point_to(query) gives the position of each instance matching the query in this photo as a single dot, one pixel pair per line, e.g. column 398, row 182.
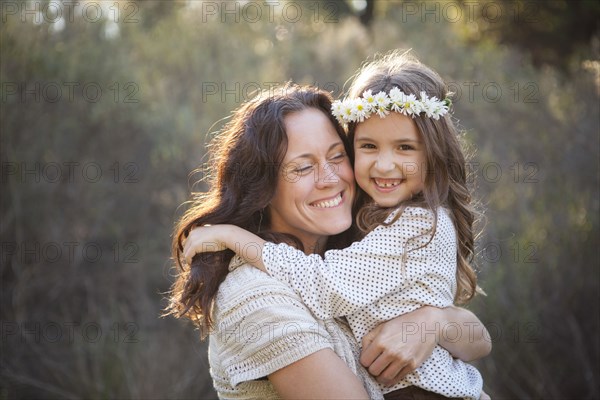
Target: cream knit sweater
column 261, row 326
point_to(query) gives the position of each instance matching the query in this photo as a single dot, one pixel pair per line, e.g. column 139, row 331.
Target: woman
column 282, row 171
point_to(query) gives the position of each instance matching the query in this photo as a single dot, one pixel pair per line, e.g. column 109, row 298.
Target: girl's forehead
column 391, row 127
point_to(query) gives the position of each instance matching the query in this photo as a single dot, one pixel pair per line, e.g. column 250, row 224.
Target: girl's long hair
column 245, row 160
column 446, row 180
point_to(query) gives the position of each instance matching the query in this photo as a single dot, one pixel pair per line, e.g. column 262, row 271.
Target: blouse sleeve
column 345, row 281
column 262, row 326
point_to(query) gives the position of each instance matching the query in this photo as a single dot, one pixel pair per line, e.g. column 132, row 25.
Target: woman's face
column 315, row 187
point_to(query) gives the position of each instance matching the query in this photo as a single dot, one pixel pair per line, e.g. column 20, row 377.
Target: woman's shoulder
column 245, row 281
column 247, row 290
column 241, row 276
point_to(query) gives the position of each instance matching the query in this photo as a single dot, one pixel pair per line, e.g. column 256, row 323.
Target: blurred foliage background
column 105, row 111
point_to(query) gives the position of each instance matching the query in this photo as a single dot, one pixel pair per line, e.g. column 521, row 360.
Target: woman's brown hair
column 245, row 160
column 446, row 180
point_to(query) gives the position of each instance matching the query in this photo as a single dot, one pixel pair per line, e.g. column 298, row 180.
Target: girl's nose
column 384, row 163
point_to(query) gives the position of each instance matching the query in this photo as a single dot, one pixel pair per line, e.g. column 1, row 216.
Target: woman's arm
column 397, row 347
column 321, row 375
column 473, row 340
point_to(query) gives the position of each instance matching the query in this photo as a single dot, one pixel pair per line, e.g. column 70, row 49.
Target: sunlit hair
column 245, row 158
column 446, row 177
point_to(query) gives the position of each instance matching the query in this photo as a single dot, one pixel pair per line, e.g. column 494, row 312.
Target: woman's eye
column 405, row 147
column 367, row 146
column 338, row 157
column 302, row 169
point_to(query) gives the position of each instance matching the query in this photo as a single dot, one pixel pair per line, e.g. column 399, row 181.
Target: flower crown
column 357, row 110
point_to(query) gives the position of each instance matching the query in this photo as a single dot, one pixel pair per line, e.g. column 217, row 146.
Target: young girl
column 415, row 208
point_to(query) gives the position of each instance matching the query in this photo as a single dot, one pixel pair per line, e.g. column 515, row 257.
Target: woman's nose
column 327, row 175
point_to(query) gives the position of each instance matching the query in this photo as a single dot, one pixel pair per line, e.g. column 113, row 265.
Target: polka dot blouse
column 394, row 270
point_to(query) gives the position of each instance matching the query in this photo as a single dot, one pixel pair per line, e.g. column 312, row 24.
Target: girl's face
column 315, row 188
column 390, row 162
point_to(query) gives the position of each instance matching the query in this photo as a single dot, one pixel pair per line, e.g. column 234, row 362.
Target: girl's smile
column 386, row 185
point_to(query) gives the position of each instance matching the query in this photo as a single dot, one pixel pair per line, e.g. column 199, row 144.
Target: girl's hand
column 397, row 347
column 484, row 396
column 209, row 238
column 204, row 239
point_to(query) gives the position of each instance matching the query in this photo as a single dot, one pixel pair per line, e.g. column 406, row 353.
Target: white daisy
column 440, row 110
column 410, row 106
column 337, row 110
column 429, row 104
column 359, row 108
column 382, row 100
column 396, row 99
column 369, row 100
column 348, row 111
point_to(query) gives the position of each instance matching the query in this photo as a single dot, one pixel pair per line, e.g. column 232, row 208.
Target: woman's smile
column 331, row 202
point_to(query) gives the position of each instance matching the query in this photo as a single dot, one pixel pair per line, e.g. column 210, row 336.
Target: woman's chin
column 336, row 226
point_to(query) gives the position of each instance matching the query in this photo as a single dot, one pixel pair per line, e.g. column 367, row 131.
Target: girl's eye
column 367, row 146
column 405, row 147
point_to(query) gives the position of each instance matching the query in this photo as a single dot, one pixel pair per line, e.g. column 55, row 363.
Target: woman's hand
column 397, row 347
column 204, row 239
